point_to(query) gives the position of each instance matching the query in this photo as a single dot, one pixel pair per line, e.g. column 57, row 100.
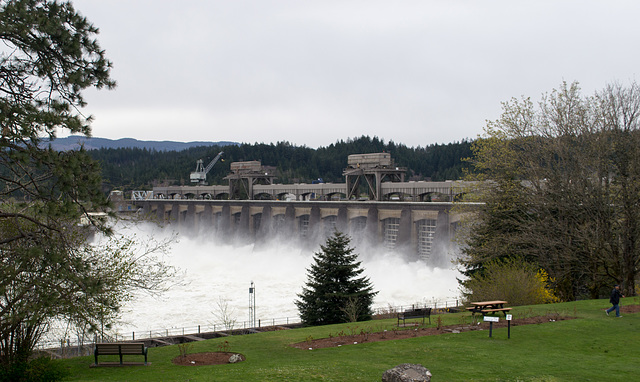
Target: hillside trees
column 48, row 270
column 565, row 178
column 335, row 291
column 135, row 168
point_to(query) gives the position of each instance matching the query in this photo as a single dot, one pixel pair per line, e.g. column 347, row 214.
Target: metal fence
column 197, row 329
column 77, row 343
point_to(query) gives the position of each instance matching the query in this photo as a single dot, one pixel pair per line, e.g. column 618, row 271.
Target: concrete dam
column 375, row 206
column 415, row 228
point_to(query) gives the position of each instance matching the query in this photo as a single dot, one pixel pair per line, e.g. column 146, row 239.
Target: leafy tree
column 334, row 285
column 564, row 180
column 48, row 270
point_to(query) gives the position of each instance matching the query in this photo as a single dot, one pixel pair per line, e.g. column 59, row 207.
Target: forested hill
column 138, row 168
column 72, row 142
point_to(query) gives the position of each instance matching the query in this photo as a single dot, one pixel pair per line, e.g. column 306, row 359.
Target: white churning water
column 216, row 271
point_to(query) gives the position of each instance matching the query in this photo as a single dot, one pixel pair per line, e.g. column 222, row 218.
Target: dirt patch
column 201, row 359
column 629, row 308
column 409, row 331
column 340, row 339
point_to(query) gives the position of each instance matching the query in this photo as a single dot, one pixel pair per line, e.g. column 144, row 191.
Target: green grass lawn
column 592, row 348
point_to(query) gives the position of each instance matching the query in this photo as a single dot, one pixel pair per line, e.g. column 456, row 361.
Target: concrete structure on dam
column 367, row 177
column 396, row 191
column 415, row 228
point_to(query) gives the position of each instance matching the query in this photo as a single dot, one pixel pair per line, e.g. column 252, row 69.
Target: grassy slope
column 594, row 347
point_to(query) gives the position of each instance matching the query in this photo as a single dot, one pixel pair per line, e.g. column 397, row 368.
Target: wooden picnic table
column 487, row 307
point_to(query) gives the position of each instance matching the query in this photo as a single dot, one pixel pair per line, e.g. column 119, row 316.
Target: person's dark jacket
column 615, row 296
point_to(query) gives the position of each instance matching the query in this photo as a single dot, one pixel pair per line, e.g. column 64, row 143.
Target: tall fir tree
column 335, row 290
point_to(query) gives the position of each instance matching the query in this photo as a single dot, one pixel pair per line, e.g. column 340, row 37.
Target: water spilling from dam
column 213, row 272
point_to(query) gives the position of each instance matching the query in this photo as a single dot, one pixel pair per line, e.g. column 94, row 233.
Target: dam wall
column 414, row 228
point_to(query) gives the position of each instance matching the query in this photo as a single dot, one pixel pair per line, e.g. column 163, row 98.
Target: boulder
column 407, row 372
column 235, row 358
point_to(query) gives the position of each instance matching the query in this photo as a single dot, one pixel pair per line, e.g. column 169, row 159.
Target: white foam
column 214, row 271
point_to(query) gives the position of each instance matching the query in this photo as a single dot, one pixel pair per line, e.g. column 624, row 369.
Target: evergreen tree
column 334, row 284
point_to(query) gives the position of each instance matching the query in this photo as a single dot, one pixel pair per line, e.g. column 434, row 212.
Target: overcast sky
column 314, row 72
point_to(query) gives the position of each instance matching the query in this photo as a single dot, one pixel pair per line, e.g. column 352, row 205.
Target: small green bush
column 513, row 280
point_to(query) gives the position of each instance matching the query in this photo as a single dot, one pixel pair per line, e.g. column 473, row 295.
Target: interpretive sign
column 491, row 320
column 509, row 317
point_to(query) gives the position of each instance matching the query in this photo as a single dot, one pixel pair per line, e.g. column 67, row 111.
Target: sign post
column 509, row 317
column 491, row 320
column 252, row 305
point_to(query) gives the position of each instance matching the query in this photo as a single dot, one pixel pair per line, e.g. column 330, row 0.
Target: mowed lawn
column 593, row 347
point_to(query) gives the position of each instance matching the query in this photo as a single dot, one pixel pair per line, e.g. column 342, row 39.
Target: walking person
column 614, row 299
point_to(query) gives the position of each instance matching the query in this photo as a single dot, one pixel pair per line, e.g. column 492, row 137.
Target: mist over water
column 214, row 271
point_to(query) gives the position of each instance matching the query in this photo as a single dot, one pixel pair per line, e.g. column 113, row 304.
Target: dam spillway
column 413, row 228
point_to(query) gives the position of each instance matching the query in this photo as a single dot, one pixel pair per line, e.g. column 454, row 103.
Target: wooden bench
column 415, row 313
column 121, row 349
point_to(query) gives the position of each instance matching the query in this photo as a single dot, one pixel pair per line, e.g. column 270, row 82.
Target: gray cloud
column 313, row 72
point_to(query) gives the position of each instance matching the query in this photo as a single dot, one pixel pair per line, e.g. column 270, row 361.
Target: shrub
column 41, row 369
column 512, row 280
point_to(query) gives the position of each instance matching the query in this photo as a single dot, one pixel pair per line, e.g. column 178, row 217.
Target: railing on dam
column 407, row 191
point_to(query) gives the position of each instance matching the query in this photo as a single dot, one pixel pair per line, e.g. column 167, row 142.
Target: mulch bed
column 412, row 332
column 209, row 358
column 627, row 309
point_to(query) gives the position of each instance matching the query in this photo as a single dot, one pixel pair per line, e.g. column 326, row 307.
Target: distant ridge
column 73, row 142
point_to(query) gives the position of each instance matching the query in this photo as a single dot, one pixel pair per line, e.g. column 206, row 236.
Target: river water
column 213, row 273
